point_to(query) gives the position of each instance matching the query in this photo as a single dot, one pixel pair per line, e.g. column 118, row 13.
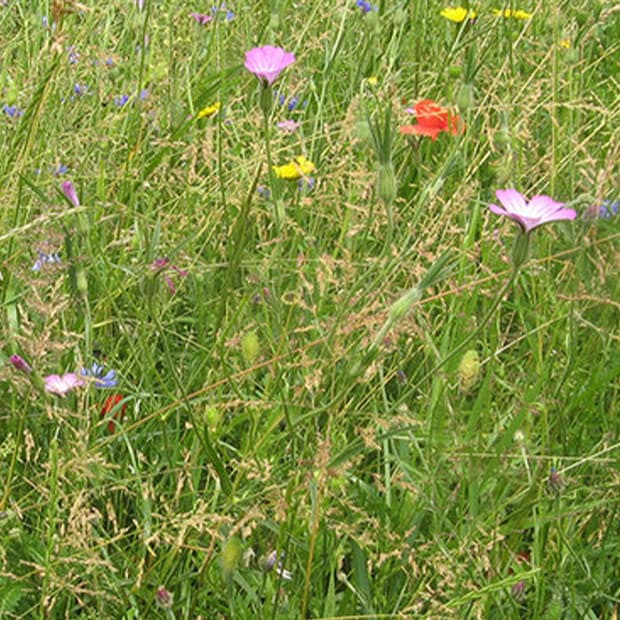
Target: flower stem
column 265, row 104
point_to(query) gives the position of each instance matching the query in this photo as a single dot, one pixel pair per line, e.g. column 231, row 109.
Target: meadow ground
column 266, row 354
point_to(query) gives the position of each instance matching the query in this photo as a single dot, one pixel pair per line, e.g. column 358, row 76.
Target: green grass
column 278, row 401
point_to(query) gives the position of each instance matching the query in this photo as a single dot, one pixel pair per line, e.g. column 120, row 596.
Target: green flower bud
column 81, row 281
column 466, row 97
column 231, row 554
column 387, row 185
column 502, row 138
column 250, row 347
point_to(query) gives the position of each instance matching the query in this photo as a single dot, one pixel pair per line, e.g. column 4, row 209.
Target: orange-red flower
column 110, row 403
column 432, row 119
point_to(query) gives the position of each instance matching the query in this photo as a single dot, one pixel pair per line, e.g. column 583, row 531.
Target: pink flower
column 68, row 190
column 19, row 363
column 201, row 18
column 163, row 265
column 267, row 62
column 62, row 384
column 288, row 125
column 530, row 215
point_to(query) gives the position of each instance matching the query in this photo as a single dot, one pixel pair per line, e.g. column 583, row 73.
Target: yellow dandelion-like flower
column 210, row 110
column 458, row 14
column 372, row 80
column 514, row 13
column 565, row 43
column 298, row 168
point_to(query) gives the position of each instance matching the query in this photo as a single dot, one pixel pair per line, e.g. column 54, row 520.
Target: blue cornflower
column 60, row 169
column 306, row 184
column 102, row 379
column 13, row 111
column 263, row 191
column 609, row 209
column 121, row 100
column 80, row 89
column 74, row 57
column 45, row 258
column 366, row 6
column 292, row 103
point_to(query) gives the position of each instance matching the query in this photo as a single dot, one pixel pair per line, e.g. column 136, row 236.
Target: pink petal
column 513, row 201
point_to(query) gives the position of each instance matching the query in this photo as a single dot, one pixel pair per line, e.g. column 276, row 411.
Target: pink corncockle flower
column 68, row 189
column 62, row 384
column 161, row 265
column 289, row 125
column 267, row 62
column 529, row 215
column 201, row 18
column 19, row 363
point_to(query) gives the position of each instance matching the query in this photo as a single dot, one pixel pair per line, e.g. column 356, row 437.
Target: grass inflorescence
column 265, row 350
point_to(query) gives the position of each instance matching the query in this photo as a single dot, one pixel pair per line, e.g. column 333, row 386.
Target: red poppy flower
column 110, row 403
column 432, row 119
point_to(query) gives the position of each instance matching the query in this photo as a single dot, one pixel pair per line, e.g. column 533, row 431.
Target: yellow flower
column 565, row 43
column 210, row 110
column 372, row 80
column 298, row 168
column 516, row 13
column 458, row 14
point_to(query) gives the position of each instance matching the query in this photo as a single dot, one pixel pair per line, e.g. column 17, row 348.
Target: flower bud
column 466, row 97
column 19, row 363
column 387, row 186
column 231, row 554
column 68, row 189
column 250, row 347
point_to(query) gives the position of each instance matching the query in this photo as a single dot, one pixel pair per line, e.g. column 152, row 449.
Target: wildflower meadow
column 309, row 310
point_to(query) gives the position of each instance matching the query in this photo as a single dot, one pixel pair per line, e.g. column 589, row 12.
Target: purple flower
column 163, row 598
column 267, row 62
column 272, row 561
column 143, row 95
column 529, row 215
column 62, row 384
column 60, row 169
column 46, row 258
column 19, row 363
column 161, row 265
column 306, row 184
column 608, row 209
column 289, row 125
column 121, row 100
column 140, row 4
column 555, row 481
column 80, row 89
column 74, row 57
column 263, row 191
column 102, row 379
column 13, row 111
column 201, row 18
column 68, row 189
column 366, row 6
